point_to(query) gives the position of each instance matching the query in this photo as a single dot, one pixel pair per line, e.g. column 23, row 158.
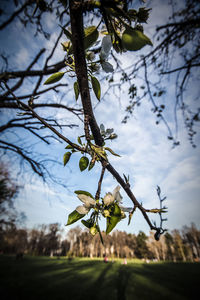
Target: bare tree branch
column 15, row 14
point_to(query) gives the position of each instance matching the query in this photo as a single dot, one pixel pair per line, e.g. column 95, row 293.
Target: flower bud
column 123, row 216
column 91, row 56
column 113, row 136
column 108, row 199
column 106, row 213
column 93, row 230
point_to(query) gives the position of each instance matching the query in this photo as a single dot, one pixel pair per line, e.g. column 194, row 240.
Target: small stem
column 97, row 196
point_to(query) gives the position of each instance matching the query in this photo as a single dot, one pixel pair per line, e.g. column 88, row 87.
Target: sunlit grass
column 83, row 278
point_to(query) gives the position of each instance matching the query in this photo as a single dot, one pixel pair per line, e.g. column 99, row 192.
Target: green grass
column 80, row 279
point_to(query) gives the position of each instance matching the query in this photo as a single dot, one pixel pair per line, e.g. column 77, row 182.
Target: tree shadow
column 39, row 278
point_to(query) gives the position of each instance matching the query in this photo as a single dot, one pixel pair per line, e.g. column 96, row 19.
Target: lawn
column 80, row 279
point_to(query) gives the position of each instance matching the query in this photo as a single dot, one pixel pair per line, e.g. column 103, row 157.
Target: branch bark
column 76, row 16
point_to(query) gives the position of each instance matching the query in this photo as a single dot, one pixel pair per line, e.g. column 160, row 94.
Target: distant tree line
column 177, row 245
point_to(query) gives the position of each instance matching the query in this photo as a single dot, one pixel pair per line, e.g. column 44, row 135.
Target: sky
column 146, row 153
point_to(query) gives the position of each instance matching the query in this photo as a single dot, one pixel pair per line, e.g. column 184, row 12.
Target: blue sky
column 146, row 153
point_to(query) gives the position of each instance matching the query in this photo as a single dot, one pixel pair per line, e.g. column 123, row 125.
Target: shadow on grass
column 45, row 278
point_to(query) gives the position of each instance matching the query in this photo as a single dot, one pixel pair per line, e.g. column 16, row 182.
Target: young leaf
column 83, row 163
column 126, row 179
column 67, row 33
column 113, row 219
column 117, row 210
column 111, row 151
column 107, row 67
column 91, row 165
column 101, row 238
column 96, row 87
column 109, row 130
column 54, row 78
column 69, row 147
column 76, row 90
column 66, row 157
column 73, row 217
column 106, row 46
column 88, row 223
column 79, row 140
column 91, row 35
column 134, row 40
column 79, row 192
column 111, row 223
column 102, row 128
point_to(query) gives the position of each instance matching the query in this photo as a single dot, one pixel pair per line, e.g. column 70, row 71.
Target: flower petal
column 82, row 210
column 87, row 200
column 116, row 190
column 108, row 199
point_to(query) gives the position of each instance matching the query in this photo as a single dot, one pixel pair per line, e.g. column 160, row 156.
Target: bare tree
column 176, row 56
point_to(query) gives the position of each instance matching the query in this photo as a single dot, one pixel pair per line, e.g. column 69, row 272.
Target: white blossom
column 82, row 209
column 116, row 194
column 108, row 199
column 87, row 200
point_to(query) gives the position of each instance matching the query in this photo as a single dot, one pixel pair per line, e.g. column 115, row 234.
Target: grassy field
column 84, row 279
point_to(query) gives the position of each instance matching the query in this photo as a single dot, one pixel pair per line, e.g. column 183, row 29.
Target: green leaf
column 79, row 140
column 101, row 238
column 134, row 40
column 67, row 33
column 66, row 157
column 79, row 192
column 54, row 78
column 96, row 87
column 73, row 217
column 91, row 35
column 91, row 165
column 88, row 223
column 114, row 218
column 69, row 147
column 76, row 90
column 83, row 163
column 111, row 223
column 116, row 211
column 111, row 151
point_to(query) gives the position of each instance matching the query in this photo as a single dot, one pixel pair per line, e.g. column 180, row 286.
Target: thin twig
column 27, row 107
column 98, row 192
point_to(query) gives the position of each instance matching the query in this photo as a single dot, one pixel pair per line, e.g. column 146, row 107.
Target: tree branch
column 27, row 107
column 76, row 17
column 31, row 73
column 34, row 164
column 15, row 14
